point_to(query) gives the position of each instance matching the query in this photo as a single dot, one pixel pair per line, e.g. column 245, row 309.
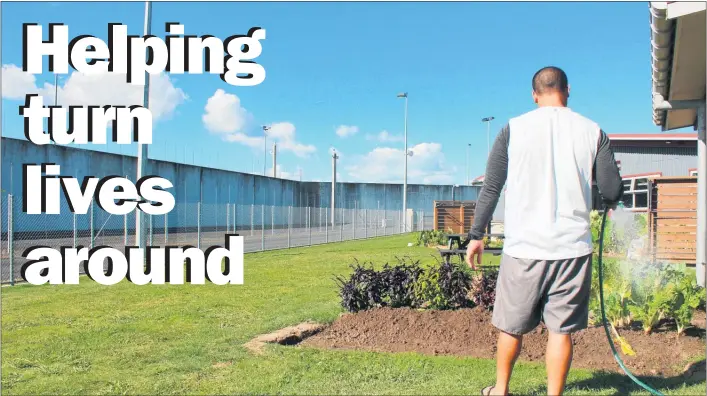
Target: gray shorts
column 554, row 291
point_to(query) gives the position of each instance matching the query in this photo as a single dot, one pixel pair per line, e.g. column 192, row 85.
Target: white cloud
column 385, row 137
column 224, row 115
column 284, row 134
column 282, row 173
column 16, row 83
column 96, row 89
column 345, row 131
column 384, row 164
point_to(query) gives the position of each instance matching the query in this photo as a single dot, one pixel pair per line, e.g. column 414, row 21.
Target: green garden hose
column 603, row 314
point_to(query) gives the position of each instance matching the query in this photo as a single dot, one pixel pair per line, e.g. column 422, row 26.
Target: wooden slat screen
column 454, row 216
column 673, row 219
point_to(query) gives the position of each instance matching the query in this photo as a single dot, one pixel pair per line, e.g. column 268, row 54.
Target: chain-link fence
column 194, row 224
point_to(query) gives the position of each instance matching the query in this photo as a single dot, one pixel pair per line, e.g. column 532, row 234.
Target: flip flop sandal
column 487, row 390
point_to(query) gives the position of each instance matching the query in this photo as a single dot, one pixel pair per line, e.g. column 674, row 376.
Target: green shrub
column 652, row 295
column 688, row 296
column 647, row 293
column 443, row 286
column 362, row 290
column 431, row 238
column 399, row 283
column 610, row 242
column 483, row 289
column 493, row 242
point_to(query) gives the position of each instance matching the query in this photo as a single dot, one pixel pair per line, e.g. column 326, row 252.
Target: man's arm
column 607, row 172
column 494, row 180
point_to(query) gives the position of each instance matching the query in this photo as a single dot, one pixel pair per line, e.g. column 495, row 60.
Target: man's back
column 551, row 154
column 547, row 159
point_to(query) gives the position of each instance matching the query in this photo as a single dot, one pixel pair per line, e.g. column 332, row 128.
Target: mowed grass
column 179, row 339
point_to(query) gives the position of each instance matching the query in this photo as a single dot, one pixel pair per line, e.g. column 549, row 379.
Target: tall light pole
column 467, row 163
column 274, row 160
column 142, row 158
column 56, row 95
column 405, row 177
column 488, row 120
column 334, row 157
column 265, row 148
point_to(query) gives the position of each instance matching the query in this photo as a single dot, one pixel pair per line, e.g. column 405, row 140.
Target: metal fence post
column 76, row 232
column 166, row 229
column 10, row 238
column 320, row 219
column 91, row 224
column 198, row 225
column 289, row 224
column 152, row 231
column 326, row 225
column 228, row 217
column 272, row 220
column 262, row 228
column 125, row 228
column 252, row 218
column 309, row 224
column 400, row 222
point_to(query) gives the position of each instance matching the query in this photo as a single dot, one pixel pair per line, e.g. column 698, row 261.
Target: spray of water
column 628, row 236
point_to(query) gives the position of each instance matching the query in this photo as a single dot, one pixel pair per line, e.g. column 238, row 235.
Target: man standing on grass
column 548, row 158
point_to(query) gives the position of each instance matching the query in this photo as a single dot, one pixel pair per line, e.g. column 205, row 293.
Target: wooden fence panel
column 673, row 219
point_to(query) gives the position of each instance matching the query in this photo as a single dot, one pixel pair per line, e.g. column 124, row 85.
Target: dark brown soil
column 468, row 332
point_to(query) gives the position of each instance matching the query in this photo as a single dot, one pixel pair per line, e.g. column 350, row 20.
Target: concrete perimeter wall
column 209, row 186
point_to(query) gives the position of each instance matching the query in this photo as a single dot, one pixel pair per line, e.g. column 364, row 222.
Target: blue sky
column 334, row 64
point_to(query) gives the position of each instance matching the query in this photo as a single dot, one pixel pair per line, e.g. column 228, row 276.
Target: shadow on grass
column 623, row 385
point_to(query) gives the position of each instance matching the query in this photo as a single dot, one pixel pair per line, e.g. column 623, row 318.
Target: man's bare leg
column 558, row 359
column 508, row 350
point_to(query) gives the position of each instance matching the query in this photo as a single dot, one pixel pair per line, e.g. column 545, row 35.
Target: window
column 636, row 191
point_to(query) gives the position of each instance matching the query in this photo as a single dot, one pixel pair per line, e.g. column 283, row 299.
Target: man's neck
column 552, row 101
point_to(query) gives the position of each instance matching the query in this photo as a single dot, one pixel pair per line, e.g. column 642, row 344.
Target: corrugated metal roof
column 652, row 136
column 662, row 36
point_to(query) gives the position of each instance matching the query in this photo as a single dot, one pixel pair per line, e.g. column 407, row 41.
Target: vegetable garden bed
column 468, row 332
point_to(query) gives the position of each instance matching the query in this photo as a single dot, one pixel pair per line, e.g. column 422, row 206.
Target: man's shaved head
column 550, row 79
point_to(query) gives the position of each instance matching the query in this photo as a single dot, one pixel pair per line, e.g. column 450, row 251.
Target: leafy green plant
column 641, row 224
column 689, row 296
column 612, row 275
column 493, row 242
column 653, row 296
column 610, row 242
column 443, row 286
column 653, row 309
column 432, row 238
column 483, row 289
column 616, row 304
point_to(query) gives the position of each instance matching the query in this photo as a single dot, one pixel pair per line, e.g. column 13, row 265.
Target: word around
column 162, row 265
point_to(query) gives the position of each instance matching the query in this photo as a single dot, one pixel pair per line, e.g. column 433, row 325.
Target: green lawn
column 94, row 339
